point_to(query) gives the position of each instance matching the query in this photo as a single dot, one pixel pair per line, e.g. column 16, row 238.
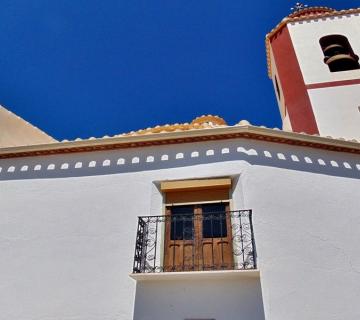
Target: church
column 200, row 220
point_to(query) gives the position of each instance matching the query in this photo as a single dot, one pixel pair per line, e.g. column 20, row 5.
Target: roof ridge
column 167, row 129
column 202, row 122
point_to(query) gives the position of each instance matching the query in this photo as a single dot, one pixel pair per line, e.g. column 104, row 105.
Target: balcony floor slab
column 196, row 275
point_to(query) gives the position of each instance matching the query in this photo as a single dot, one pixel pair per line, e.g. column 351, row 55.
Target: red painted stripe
column 292, row 83
column 333, row 84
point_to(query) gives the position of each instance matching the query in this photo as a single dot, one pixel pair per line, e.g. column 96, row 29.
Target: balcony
column 183, row 241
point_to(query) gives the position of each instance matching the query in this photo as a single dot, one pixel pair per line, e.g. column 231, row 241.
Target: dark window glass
column 277, row 88
column 214, row 220
column 182, row 223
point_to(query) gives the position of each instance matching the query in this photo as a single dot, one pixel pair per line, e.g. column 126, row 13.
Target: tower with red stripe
column 314, row 65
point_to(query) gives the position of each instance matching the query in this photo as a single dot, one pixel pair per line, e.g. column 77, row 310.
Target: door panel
column 198, row 237
column 216, row 236
column 179, row 238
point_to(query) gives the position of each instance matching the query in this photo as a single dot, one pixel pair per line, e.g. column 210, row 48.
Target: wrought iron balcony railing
column 195, row 242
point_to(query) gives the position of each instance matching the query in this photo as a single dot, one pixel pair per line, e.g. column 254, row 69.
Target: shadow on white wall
column 165, row 157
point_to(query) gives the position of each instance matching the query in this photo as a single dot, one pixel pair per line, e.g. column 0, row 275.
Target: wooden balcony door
column 198, row 237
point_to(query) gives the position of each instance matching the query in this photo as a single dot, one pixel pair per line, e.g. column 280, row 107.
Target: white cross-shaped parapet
column 299, row 6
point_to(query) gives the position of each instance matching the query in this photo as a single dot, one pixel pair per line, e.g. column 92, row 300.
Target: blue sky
column 91, row 68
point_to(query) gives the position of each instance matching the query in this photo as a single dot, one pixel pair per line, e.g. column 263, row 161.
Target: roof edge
column 247, row 132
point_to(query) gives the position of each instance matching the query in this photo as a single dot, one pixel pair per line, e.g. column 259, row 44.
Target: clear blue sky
column 81, row 68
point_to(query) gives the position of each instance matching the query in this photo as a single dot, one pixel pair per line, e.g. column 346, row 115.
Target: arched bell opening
column 338, row 53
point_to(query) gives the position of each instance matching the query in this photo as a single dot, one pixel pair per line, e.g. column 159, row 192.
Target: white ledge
column 196, row 275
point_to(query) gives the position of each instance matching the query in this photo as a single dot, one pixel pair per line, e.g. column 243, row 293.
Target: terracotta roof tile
column 202, row 122
column 207, row 122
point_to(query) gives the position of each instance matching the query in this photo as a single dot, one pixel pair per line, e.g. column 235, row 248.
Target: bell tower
column 313, row 61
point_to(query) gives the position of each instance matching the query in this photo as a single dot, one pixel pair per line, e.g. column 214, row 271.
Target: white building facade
column 198, row 221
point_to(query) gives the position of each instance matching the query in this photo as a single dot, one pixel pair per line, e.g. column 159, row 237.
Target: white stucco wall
column 68, row 227
column 336, row 110
column 307, row 239
column 220, row 299
column 305, row 36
